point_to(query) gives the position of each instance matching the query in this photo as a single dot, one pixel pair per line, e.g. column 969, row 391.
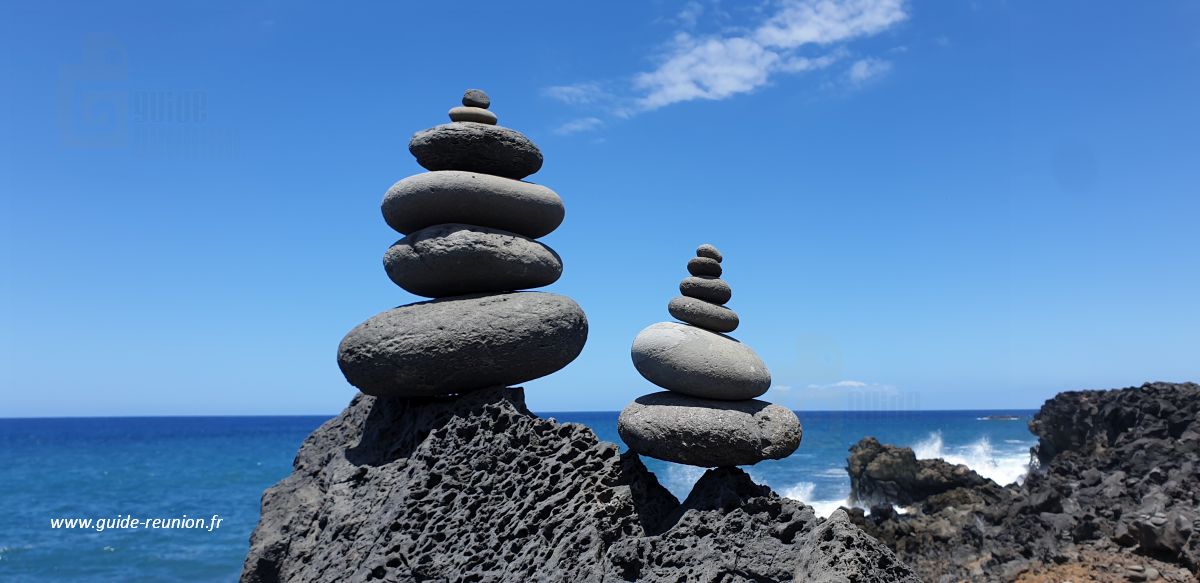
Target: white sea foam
column 1002, row 467
column 681, row 478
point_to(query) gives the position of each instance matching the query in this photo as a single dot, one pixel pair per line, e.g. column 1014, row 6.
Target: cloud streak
column 719, row 67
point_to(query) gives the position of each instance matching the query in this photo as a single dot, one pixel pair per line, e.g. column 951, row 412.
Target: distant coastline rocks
column 709, row 416
column 470, row 227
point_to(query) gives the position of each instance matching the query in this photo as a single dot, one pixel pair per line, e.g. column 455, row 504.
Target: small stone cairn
column 470, row 227
column 708, row 416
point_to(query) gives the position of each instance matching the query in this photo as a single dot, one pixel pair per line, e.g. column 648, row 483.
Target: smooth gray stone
column 451, row 196
column 703, row 314
column 708, row 250
column 459, row 344
column 476, row 147
column 700, row 266
column 707, row 433
column 696, row 362
column 456, row 259
column 708, row 288
column 476, row 114
column 476, row 98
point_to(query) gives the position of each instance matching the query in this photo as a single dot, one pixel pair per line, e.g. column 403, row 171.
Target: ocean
column 194, row 468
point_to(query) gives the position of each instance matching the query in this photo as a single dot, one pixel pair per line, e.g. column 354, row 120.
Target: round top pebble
column 476, row 98
column 707, row 250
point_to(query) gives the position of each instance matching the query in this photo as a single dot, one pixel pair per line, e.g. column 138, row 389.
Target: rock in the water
column 836, row 551
column 710, row 289
column 478, row 488
column 707, row 250
column 476, row 98
column 450, row 196
column 700, row 266
column 703, row 314
column 475, row 114
column 459, row 344
column 885, row 474
column 476, row 147
column 708, row 433
column 700, row 363
column 455, row 259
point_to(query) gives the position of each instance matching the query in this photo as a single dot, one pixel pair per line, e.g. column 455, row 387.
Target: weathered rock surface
column 463, row 343
column 708, row 433
column 708, row 250
column 456, row 259
column 1116, row 492
column 702, row 266
column 696, row 362
column 703, row 314
column 477, row 488
column 451, row 196
column 709, row 289
column 885, row 474
column 476, row 147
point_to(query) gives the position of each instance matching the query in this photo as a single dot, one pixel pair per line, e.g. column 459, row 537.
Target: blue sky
column 922, row 204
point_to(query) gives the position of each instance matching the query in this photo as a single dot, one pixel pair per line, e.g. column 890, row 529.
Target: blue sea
column 197, row 467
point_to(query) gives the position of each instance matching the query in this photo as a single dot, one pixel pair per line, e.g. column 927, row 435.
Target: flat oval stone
column 476, row 114
column 708, row 250
column 696, row 362
column 706, row 433
column 455, row 345
column 700, row 266
column 456, row 259
column 476, row 147
column 451, row 196
column 710, row 289
column 703, row 314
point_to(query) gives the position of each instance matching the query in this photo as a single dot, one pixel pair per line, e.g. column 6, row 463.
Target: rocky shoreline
column 1114, row 496
column 477, row 488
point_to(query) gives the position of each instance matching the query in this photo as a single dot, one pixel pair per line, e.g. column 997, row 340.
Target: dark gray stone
column 699, row 266
column 451, row 196
column 696, row 362
column 454, row 259
column 703, row 314
column 836, row 551
column 477, row 488
column 475, row 114
column 710, row 289
column 708, row 433
column 707, row 250
column 476, row 147
column 459, row 344
column 476, row 98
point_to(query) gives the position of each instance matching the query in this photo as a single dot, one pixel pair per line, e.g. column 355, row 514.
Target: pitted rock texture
column 477, row 488
column 1117, row 492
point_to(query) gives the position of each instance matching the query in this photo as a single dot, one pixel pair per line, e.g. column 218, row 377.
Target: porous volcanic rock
column 462, row 343
column 1116, row 490
column 477, row 488
column 476, row 147
column 455, row 259
column 885, row 474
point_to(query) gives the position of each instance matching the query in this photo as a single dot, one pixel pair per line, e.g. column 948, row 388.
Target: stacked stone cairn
column 470, row 226
column 708, row 416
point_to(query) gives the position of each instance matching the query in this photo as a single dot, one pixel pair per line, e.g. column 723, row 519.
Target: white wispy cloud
column 577, row 94
column 841, row 385
column 864, row 70
column 719, row 67
column 576, row 126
